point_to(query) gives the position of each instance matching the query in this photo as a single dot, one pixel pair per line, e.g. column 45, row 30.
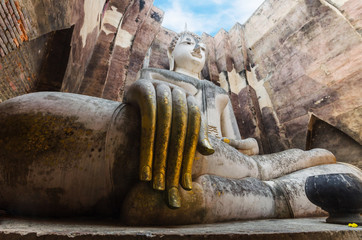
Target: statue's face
column 189, row 54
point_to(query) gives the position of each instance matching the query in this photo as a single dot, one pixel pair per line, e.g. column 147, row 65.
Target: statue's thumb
column 203, row 145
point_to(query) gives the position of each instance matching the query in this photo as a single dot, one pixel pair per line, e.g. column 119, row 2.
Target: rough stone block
column 248, row 116
column 95, row 76
column 142, row 42
column 324, row 135
column 309, row 53
column 223, row 51
column 158, row 55
column 120, row 59
column 274, row 132
column 84, row 38
column 236, row 39
column 212, row 72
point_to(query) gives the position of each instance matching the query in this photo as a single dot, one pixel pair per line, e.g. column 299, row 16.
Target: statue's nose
column 197, row 48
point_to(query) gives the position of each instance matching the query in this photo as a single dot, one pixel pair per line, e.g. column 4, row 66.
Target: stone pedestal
column 305, row 228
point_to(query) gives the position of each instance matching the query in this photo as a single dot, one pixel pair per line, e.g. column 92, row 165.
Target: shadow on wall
column 323, row 135
column 55, row 60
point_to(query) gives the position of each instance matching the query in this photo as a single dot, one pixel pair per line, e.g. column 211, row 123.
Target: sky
column 205, row 15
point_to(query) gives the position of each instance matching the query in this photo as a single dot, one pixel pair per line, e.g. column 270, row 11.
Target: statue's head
column 187, row 52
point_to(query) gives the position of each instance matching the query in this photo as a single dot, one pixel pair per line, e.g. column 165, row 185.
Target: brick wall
column 19, row 59
column 15, row 26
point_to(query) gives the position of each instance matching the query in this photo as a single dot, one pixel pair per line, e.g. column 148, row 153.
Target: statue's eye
column 189, row 43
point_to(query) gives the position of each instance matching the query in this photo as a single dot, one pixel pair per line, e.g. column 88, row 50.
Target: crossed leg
column 269, row 186
column 229, row 163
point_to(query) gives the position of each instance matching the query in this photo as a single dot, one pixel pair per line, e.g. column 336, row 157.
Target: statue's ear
column 171, row 60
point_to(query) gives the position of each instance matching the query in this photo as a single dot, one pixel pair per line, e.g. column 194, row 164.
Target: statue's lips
column 195, row 54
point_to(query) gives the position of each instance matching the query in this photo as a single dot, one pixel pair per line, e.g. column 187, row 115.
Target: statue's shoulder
column 210, row 86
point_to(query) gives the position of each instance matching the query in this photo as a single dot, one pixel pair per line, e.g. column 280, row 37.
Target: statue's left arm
column 231, row 135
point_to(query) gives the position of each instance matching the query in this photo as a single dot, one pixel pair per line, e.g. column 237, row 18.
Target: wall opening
column 55, row 60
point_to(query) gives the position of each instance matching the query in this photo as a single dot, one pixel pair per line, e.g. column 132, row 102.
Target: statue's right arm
column 232, row 136
column 172, row 128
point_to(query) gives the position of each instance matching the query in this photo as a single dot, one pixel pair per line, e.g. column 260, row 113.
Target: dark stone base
column 301, row 229
column 345, row 218
column 338, row 194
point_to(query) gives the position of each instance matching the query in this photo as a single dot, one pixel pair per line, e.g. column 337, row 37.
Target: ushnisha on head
column 186, row 54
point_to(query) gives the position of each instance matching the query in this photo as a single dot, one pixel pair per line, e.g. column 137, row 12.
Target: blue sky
column 206, row 15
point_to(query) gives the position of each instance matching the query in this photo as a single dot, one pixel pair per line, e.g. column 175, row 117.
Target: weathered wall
column 291, row 59
column 86, row 30
column 18, row 58
column 19, row 70
column 307, row 57
column 29, row 35
column 116, row 51
column 109, row 40
column 323, row 135
column 157, row 55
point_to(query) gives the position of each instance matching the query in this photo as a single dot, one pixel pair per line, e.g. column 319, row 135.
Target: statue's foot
column 146, row 206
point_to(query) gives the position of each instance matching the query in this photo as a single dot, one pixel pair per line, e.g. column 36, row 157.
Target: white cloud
column 205, row 15
column 241, row 10
column 176, row 17
column 218, row 1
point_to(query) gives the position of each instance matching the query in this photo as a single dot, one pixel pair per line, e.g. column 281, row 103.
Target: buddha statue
column 65, row 154
column 225, row 178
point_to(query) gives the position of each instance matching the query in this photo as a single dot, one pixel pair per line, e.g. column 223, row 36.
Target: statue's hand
column 247, row 146
column 172, row 128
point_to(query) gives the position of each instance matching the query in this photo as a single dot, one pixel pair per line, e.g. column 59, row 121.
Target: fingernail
column 174, row 199
column 187, row 181
column 159, row 182
column 206, row 148
column 146, row 174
